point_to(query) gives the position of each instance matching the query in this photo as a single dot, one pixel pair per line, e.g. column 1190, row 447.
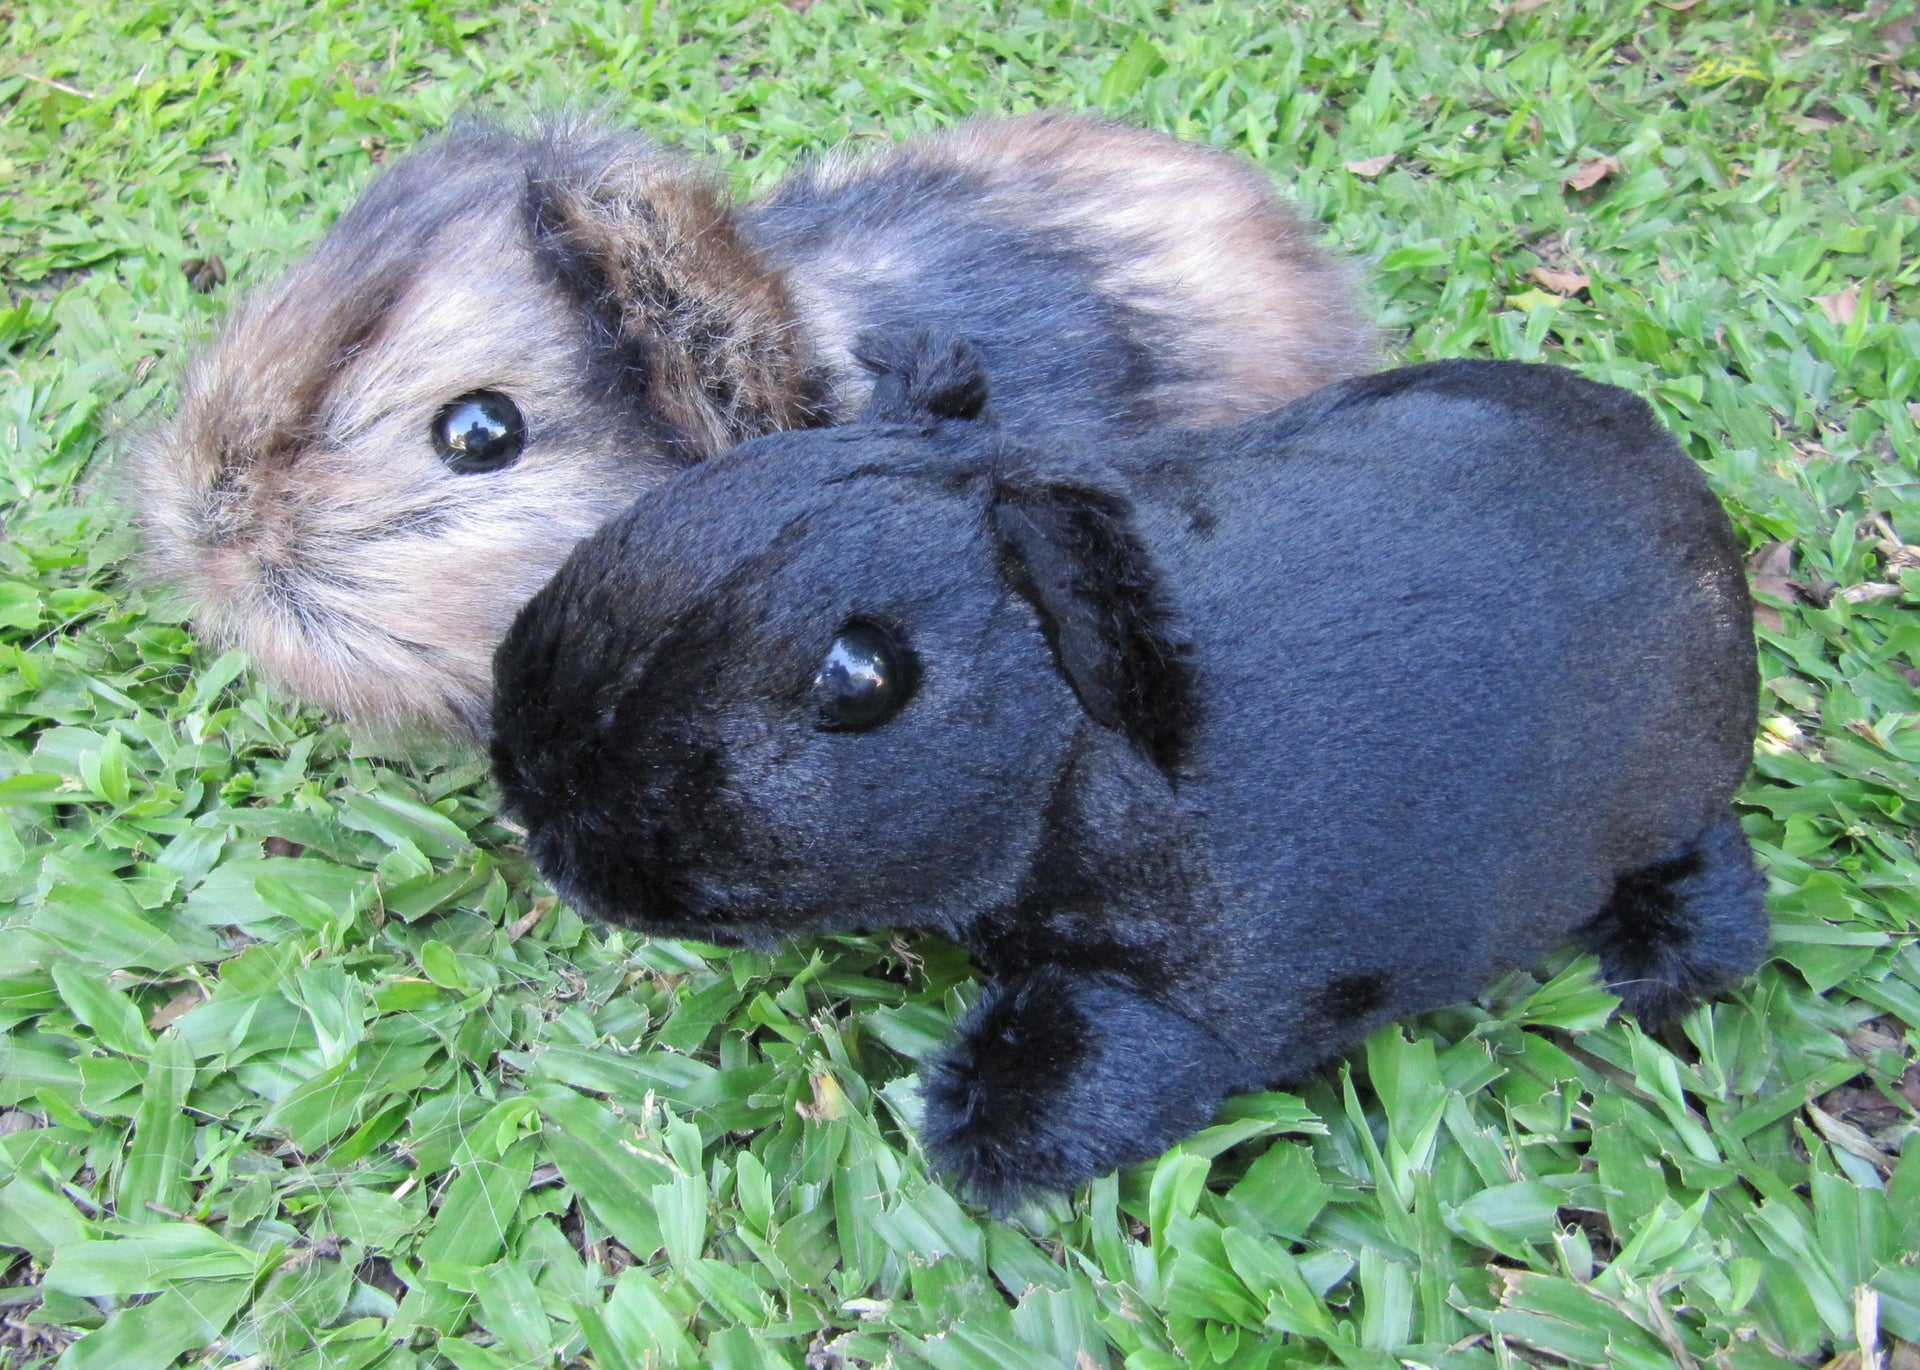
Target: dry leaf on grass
column 1521, row 7
column 1371, row 167
column 1894, row 1355
column 1561, row 282
column 1899, row 35
column 828, row 1100
column 1769, row 569
column 1841, row 306
column 1899, row 556
column 1529, row 300
column 1885, row 1033
column 179, row 1006
column 1593, row 173
column 28, row 1343
column 1767, row 573
column 1869, row 591
column 1878, row 1113
column 1850, row 1139
column 529, row 920
column 1874, row 1348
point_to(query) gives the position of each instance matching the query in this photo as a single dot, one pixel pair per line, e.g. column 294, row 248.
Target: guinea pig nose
column 480, row 431
column 865, row 679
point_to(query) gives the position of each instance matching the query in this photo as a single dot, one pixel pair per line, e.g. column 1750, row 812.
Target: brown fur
column 621, row 301
column 296, row 500
column 725, row 358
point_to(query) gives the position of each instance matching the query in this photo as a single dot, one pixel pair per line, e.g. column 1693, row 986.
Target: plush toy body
column 1217, row 748
column 509, row 338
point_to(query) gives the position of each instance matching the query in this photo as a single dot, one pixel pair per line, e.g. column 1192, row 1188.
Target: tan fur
column 272, row 497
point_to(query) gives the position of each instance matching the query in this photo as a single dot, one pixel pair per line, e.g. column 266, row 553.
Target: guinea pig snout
column 646, row 826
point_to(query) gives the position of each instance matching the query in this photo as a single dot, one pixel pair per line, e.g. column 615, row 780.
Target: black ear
column 921, row 376
column 1070, row 551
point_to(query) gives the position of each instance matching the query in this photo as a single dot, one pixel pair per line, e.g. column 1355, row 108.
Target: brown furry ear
column 686, row 323
column 1070, row 552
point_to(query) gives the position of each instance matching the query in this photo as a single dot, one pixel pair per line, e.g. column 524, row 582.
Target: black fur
column 1069, row 553
column 1682, row 928
column 1058, row 347
column 1050, row 1067
column 918, row 374
column 1350, row 997
column 1227, row 746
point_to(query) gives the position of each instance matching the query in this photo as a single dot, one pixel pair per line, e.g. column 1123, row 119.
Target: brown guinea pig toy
column 509, row 337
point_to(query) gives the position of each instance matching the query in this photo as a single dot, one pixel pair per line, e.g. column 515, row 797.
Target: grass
column 299, row 1066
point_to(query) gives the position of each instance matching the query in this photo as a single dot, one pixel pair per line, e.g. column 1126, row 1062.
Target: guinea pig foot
column 1054, row 1079
column 921, row 375
column 1683, row 928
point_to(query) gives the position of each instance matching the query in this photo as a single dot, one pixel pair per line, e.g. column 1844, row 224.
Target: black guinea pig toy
column 1216, row 748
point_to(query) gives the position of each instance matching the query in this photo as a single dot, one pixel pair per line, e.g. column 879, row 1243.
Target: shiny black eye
column 865, row 679
column 481, row 431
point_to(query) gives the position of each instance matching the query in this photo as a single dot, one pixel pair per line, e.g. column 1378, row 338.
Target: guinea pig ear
column 921, row 376
column 1071, row 552
column 685, row 323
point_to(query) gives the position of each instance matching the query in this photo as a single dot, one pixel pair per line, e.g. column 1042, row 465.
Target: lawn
column 300, row 1065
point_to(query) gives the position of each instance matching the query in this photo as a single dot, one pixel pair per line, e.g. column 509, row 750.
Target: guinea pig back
column 1217, row 749
column 509, row 337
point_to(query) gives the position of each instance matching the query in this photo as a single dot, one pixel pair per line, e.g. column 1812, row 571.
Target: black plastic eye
column 863, row 682
column 481, row 431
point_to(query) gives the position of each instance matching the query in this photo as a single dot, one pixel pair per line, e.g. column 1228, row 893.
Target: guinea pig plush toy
column 1216, row 748
column 510, row 337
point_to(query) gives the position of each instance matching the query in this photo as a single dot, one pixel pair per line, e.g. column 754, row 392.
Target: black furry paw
column 921, row 375
column 1055, row 1079
column 1684, row 928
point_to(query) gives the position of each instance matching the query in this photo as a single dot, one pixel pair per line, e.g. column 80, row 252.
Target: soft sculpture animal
column 1217, row 749
column 508, row 338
